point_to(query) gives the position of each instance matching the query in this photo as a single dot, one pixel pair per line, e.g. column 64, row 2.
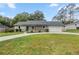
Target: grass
column 41, row 44
column 73, row 30
column 8, row 33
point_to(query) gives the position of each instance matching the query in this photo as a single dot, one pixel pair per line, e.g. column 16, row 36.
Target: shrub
column 9, row 30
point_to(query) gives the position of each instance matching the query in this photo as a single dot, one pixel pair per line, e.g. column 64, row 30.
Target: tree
column 66, row 13
column 5, row 21
column 70, row 10
column 24, row 16
column 37, row 15
column 61, row 15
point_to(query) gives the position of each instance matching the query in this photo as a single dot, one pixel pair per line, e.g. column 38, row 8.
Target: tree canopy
column 38, row 15
column 24, row 16
column 66, row 13
column 5, row 21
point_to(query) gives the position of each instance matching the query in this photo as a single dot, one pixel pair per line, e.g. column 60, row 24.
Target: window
column 43, row 26
column 32, row 27
column 16, row 30
column 19, row 27
column 27, row 28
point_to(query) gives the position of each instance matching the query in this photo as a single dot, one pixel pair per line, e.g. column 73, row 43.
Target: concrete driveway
column 3, row 38
column 26, row 34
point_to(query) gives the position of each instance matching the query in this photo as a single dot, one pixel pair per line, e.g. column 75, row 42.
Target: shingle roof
column 33, row 23
column 55, row 23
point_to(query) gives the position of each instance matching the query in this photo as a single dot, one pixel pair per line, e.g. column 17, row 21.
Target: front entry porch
column 36, row 29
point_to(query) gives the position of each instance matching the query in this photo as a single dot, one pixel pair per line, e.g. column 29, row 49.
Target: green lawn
column 73, row 30
column 8, row 33
column 42, row 44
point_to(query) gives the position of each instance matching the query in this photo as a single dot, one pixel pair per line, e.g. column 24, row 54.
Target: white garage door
column 55, row 29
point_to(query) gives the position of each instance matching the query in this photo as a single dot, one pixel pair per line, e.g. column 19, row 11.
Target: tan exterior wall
column 70, row 26
column 16, row 27
column 23, row 28
column 30, row 29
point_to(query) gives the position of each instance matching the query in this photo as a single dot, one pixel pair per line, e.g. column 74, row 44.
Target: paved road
column 26, row 34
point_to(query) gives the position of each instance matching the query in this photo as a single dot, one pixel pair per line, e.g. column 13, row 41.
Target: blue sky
column 49, row 10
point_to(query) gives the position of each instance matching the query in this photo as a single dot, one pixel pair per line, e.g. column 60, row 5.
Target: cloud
column 54, row 5
column 59, row 8
column 63, row 6
column 11, row 17
column 77, row 5
column 2, row 13
column 11, row 5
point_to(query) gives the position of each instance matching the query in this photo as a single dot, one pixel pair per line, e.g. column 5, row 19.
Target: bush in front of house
column 9, row 30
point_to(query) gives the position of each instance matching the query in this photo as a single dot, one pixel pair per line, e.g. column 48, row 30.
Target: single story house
column 77, row 24
column 44, row 26
column 74, row 25
column 70, row 26
column 39, row 26
column 3, row 27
